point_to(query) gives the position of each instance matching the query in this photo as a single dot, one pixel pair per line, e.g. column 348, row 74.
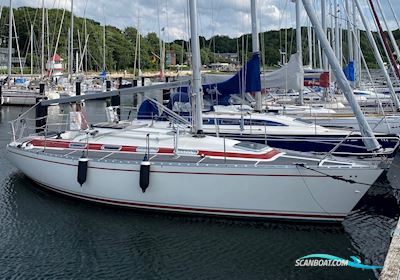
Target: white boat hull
column 245, row 191
column 378, row 124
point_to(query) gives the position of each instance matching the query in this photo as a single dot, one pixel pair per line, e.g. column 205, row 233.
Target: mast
column 392, row 39
column 136, row 48
column 17, row 45
column 299, row 47
column 139, row 40
column 31, row 49
column 340, row 44
column 378, row 56
column 10, row 16
column 162, row 58
column 320, row 54
column 357, row 53
column 85, row 36
column 385, row 41
column 324, row 59
column 309, row 37
column 71, row 62
column 85, row 52
column 337, row 34
column 368, row 136
column 58, row 40
column 69, row 48
column 255, row 46
column 42, row 42
column 323, row 19
column 47, row 35
column 349, row 35
column 196, row 64
column 104, row 47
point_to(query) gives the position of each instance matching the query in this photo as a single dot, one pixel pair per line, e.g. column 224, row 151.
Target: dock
column 391, row 269
column 20, row 98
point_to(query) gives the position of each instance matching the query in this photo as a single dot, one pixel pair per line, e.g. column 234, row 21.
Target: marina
column 146, row 241
column 245, row 168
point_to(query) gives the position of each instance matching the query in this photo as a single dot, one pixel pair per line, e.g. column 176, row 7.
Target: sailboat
column 242, row 123
column 170, row 169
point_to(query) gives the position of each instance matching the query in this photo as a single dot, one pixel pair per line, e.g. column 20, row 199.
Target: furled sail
column 288, row 77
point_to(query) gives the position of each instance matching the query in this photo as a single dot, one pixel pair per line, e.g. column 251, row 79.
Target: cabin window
column 250, row 146
column 211, row 121
column 263, row 123
column 111, row 147
column 77, row 146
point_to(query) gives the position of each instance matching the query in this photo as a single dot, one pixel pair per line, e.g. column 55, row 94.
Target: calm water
column 43, row 235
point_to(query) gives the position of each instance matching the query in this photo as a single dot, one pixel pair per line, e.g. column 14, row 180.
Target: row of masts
column 329, row 57
column 44, row 25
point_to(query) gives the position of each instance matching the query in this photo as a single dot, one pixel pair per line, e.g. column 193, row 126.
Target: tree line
column 120, row 44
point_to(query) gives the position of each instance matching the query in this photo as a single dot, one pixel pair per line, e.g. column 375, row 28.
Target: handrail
column 169, row 112
column 336, row 147
column 23, row 127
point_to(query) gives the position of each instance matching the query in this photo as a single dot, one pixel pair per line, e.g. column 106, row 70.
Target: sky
column 168, row 18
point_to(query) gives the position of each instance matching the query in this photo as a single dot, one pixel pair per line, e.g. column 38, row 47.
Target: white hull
column 378, row 124
column 244, row 190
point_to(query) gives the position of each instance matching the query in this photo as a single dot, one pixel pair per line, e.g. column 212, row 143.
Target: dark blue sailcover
column 247, row 79
column 148, row 110
column 350, row 72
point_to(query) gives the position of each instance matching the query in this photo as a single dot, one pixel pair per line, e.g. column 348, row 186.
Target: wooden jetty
column 391, row 269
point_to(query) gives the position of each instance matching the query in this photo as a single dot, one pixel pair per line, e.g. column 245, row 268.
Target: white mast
column 368, row 136
column 255, row 46
column 17, row 45
column 196, row 64
column 337, row 34
column 309, row 37
column 135, row 61
column 58, row 40
column 31, row 49
column 320, row 54
column 324, row 59
column 299, row 46
column 357, row 53
column 77, row 63
column 85, row 51
column 378, row 57
column 69, row 48
column 349, row 33
column 71, row 62
column 104, row 46
column 42, row 43
column 139, row 40
column 47, row 35
column 323, row 19
column 85, row 36
column 10, row 16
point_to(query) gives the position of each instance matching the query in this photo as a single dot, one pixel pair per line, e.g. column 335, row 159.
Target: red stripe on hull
column 238, row 213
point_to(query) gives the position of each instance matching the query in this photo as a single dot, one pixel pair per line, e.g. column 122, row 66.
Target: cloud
column 222, row 17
